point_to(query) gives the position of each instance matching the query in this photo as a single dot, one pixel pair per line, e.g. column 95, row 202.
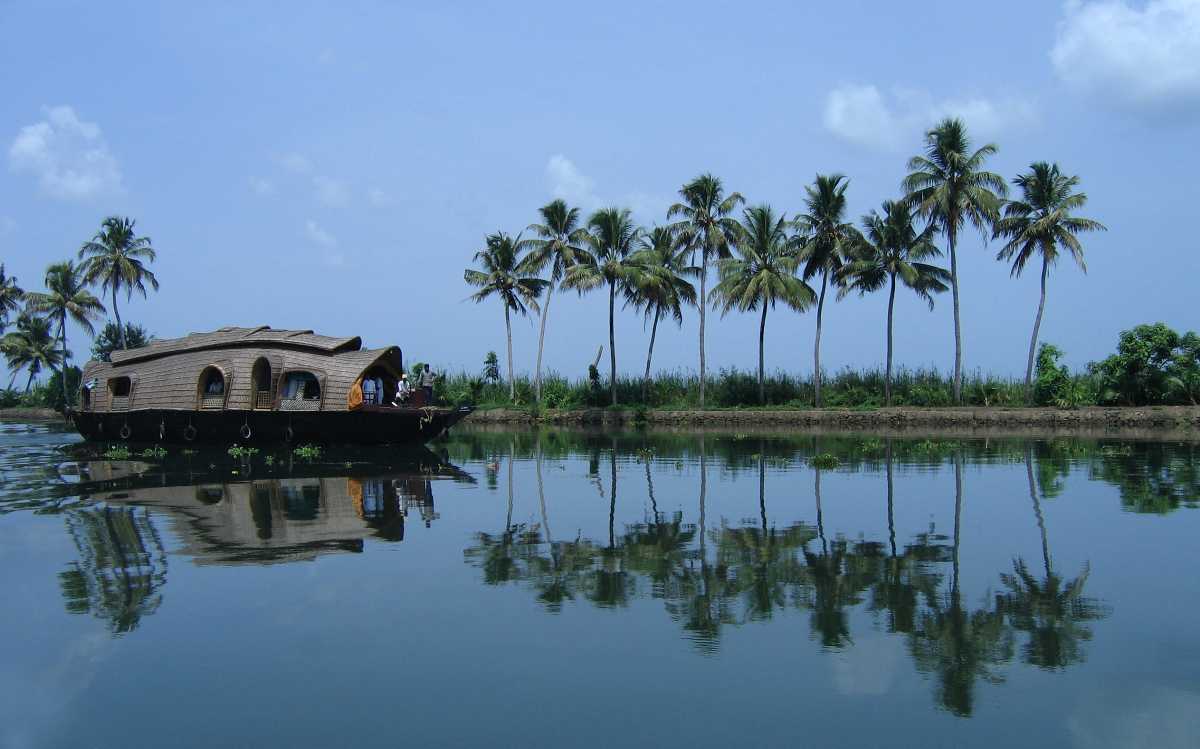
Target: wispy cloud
column 319, row 236
column 261, row 186
column 862, row 114
column 67, row 155
column 378, row 197
column 331, row 191
column 1147, row 56
column 297, row 163
column 568, row 182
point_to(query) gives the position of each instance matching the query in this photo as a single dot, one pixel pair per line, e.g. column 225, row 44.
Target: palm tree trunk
column 887, row 377
column 820, row 515
column 512, row 384
column 117, row 314
column 29, row 381
column 762, row 488
column 817, row 342
column 62, row 330
column 703, row 499
column 957, row 519
column 703, row 303
column 612, row 342
column 762, row 331
column 957, row 321
column 890, row 496
column 1037, row 508
column 508, row 517
column 612, row 494
column 1037, row 325
column 650, row 492
column 542, row 494
column 650, row 352
column 537, row 375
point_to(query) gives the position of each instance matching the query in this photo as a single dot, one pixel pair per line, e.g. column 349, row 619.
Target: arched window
column 301, row 392
column 264, row 384
column 212, row 389
column 119, row 389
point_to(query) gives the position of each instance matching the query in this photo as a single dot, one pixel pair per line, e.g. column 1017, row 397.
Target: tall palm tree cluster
column 763, row 259
column 115, row 260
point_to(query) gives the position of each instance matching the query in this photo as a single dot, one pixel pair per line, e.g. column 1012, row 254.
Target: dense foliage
column 1154, row 366
column 109, row 339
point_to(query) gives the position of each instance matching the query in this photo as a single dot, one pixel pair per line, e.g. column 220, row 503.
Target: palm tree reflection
column 121, row 569
column 709, row 578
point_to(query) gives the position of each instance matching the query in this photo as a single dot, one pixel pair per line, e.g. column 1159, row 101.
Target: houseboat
column 256, row 385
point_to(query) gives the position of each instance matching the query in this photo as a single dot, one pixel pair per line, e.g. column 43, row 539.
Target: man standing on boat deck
column 427, row 385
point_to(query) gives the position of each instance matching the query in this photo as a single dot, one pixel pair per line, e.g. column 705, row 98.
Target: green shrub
column 117, row 452
column 238, row 452
column 307, row 452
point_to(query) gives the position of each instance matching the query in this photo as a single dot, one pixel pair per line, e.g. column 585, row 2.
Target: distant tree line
column 114, row 260
column 763, row 259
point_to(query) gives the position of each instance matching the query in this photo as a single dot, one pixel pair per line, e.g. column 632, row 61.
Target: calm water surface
column 564, row 588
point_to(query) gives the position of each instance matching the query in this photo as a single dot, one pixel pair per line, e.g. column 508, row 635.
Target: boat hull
column 380, row 426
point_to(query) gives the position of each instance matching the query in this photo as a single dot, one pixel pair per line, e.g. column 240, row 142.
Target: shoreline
column 30, row 414
column 1149, row 421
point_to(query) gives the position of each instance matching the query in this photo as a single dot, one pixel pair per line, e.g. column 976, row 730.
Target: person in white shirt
column 427, row 385
column 403, row 390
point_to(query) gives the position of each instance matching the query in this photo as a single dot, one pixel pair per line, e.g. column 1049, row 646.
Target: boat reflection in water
column 122, row 563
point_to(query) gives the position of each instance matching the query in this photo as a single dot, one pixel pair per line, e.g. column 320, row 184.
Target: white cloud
column 862, row 114
column 568, row 183
column 68, row 156
column 331, row 191
column 295, row 162
column 261, row 186
column 319, row 236
column 1137, row 56
column 378, row 197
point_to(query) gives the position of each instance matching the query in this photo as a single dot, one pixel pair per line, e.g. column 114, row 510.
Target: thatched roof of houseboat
column 166, row 374
column 231, row 337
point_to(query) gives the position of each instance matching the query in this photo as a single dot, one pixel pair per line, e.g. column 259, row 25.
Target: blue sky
column 336, row 166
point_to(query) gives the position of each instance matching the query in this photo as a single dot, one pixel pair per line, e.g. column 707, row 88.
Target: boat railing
column 262, row 400
column 120, row 403
column 299, row 404
column 212, row 402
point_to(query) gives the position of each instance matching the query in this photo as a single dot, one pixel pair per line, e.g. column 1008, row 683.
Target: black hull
column 365, row 427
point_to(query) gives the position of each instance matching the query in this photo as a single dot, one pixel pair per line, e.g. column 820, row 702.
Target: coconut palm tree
column 504, row 276
column 661, row 284
column 66, row 299
column 559, row 246
column 762, row 273
column 610, row 239
column 11, row 297
column 949, row 186
column 116, row 258
column 893, row 249
column 30, row 347
column 826, row 239
column 1040, row 223
column 706, row 225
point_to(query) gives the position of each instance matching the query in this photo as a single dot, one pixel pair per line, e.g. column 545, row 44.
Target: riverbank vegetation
column 1153, row 365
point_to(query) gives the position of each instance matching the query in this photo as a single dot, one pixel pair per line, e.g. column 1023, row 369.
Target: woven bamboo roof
column 235, row 337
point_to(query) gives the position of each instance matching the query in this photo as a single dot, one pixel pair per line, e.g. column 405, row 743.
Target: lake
column 525, row 588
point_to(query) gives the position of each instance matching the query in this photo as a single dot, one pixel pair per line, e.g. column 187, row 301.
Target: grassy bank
column 732, row 388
